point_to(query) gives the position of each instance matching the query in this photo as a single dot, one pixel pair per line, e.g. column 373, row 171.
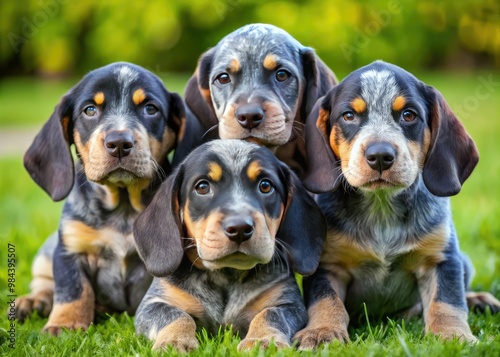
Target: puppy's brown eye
column 151, row 109
column 265, row 186
column 348, row 116
column 282, row 75
column 223, row 78
column 202, row 187
column 409, row 116
column 90, row 111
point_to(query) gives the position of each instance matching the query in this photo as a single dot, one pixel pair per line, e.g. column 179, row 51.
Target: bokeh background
column 53, row 38
column 47, row 45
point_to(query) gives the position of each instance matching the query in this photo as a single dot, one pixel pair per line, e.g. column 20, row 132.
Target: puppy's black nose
column 119, row 143
column 238, row 229
column 249, row 116
column 380, row 155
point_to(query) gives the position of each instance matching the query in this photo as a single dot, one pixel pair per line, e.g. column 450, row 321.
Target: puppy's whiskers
column 208, row 131
column 341, row 176
column 282, row 253
column 192, row 264
column 158, row 170
column 298, row 129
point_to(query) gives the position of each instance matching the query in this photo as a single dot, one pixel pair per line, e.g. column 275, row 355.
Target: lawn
column 27, row 216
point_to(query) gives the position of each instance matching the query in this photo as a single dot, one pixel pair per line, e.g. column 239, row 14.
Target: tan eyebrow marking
column 214, row 171
column 99, row 98
column 254, row 170
column 270, row 62
column 359, row 105
column 138, row 96
column 399, row 103
column 234, row 65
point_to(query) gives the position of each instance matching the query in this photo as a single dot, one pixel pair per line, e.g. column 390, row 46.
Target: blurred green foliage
column 54, row 37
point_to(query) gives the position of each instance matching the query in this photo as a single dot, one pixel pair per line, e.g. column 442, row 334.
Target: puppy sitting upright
column 258, row 84
column 390, row 150
column 223, row 235
column 123, row 123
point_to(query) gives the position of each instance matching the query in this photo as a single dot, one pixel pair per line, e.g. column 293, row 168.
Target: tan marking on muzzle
column 134, row 194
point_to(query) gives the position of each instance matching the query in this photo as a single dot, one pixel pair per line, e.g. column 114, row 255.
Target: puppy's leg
column 324, row 292
column 282, row 314
column 480, row 301
column 442, row 292
column 164, row 315
column 477, row 301
column 74, row 297
column 41, row 295
column 166, row 325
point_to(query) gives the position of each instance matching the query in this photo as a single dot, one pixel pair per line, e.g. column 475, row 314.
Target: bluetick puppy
column 388, row 151
column 223, row 236
column 259, row 84
column 123, row 124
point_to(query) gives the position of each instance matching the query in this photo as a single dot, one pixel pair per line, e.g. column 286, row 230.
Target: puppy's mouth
column 120, row 175
column 379, row 184
column 237, row 260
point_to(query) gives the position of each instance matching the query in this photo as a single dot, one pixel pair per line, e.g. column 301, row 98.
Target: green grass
column 27, row 216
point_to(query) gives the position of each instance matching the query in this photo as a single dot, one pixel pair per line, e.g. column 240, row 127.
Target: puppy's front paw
column 311, row 338
column 479, row 301
column 448, row 322
column 56, row 329
column 451, row 332
column 40, row 302
column 180, row 334
column 249, row 343
column 182, row 342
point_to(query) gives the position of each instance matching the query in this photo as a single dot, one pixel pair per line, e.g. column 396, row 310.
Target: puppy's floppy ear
column 319, row 79
column 177, row 115
column 303, row 226
column 157, row 230
column 197, row 94
column 452, row 154
column 205, row 64
column 323, row 171
column 191, row 137
column 48, row 159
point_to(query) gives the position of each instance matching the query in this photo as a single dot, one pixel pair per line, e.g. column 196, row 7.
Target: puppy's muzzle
column 119, row 143
column 249, row 116
column 380, row 155
column 238, row 229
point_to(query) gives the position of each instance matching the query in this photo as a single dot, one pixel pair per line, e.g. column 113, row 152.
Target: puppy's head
column 123, row 123
column 256, row 83
column 230, row 204
column 379, row 128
